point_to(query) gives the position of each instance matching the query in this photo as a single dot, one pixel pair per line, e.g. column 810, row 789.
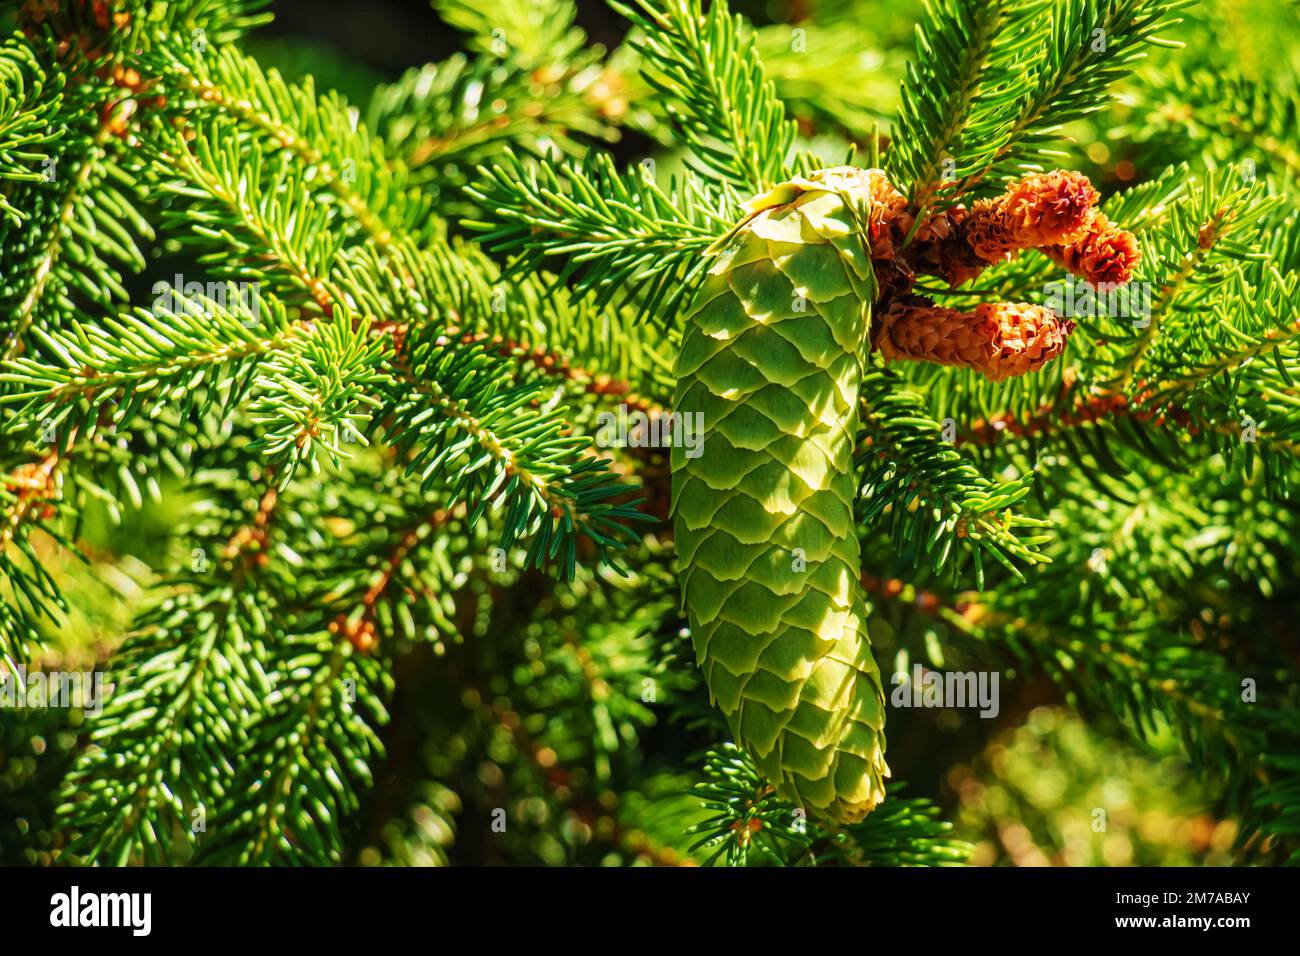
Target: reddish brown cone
column 998, row 339
column 1047, row 209
column 1104, row 254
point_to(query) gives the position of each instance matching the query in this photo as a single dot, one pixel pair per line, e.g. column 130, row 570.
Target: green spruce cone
column 771, row 361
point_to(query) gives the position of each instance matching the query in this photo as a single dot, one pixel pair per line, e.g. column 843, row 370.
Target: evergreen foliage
column 305, row 443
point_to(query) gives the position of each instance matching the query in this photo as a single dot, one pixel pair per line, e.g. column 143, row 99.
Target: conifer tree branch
column 1226, row 114
column 618, row 233
column 1202, row 352
column 1127, row 661
column 547, row 498
column 1207, row 236
column 726, row 108
column 460, row 419
column 955, row 42
column 100, row 105
column 136, row 363
column 1091, row 45
column 267, row 212
column 748, row 820
column 531, row 31
column 129, row 798
column 29, row 497
column 305, row 759
column 332, row 472
column 311, row 396
column 936, row 501
column 322, row 132
column 29, row 100
column 55, row 239
column 443, row 119
column 359, row 625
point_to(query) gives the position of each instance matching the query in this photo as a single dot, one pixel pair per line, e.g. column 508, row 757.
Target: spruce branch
column 1090, row 45
column 142, row 25
column 458, row 289
column 315, row 395
column 74, row 246
column 306, row 759
column 502, row 445
column 1122, row 638
column 29, row 495
column 252, row 216
column 1218, row 307
column 934, row 500
column 187, row 353
column 531, row 85
column 411, row 562
column 85, row 225
column 618, row 234
column 747, row 821
column 443, row 119
column 1219, row 112
column 708, row 69
column 29, row 100
column 127, row 27
column 1187, row 261
column 461, row 420
column 165, row 742
column 532, row 32
column 954, row 44
column 1255, row 349
column 323, row 132
column 1150, row 677
column 829, row 83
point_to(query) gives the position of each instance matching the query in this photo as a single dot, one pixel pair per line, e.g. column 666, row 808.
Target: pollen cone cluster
column 1103, row 255
column 1054, row 213
column 1044, row 210
column 1000, row 339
